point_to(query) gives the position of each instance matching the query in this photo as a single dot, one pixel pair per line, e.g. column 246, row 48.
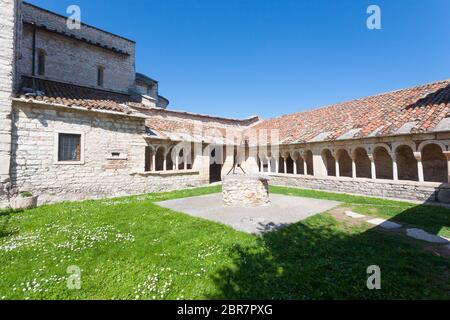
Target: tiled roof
column 183, row 129
column 72, row 95
column 424, row 108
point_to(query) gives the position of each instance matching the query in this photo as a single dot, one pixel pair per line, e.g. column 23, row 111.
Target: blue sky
column 237, row 58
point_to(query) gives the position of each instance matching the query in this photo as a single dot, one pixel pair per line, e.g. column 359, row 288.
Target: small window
column 100, row 76
column 41, row 62
column 69, row 147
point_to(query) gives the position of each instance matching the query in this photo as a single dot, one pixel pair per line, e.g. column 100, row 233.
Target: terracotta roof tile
column 72, row 95
column 380, row 115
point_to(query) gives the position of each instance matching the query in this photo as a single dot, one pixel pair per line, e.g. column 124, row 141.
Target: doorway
column 215, row 169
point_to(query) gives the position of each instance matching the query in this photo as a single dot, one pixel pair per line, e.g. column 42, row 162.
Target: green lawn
column 129, row 248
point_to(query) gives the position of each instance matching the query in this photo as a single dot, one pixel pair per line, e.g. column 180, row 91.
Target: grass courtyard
column 130, row 248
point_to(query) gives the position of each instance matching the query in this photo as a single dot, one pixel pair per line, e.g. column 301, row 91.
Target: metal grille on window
column 69, row 147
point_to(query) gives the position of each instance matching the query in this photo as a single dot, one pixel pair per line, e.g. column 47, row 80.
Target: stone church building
column 77, row 122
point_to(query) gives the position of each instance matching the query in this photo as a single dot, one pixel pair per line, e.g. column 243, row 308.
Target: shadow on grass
column 5, row 218
column 322, row 258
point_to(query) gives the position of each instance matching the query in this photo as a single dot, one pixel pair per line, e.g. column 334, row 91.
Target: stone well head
column 245, row 190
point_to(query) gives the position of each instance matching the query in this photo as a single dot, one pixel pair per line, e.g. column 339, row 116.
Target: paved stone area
column 355, row 215
column 425, row 236
column 283, row 210
column 384, row 223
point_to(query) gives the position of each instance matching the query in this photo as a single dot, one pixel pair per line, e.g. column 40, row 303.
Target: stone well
column 245, row 190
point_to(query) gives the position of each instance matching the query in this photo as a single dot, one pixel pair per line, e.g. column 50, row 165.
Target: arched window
column 383, row 163
column 149, row 165
column 309, row 162
column 159, row 159
column 345, row 163
column 434, row 163
column 280, row 164
column 289, row 165
column 406, row 163
column 362, row 163
column 329, row 162
column 169, row 162
column 298, row 162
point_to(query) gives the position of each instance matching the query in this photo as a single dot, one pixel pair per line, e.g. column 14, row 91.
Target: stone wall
column 241, row 190
column 409, row 190
column 74, row 61
column 7, row 71
column 35, row 167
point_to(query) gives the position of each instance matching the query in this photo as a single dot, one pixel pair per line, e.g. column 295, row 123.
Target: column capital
column 447, row 154
column 418, row 156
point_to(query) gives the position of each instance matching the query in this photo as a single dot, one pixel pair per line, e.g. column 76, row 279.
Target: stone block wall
column 7, row 71
column 241, row 190
column 74, row 61
column 34, row 167
column 408, row 190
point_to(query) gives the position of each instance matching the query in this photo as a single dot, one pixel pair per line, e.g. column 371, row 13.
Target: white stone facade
column 119, row 157
column 98, row 174
column 8, row 15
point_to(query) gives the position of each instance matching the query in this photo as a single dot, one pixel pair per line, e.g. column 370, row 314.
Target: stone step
column 425, row 236
column 354, row 215
column 384, row 223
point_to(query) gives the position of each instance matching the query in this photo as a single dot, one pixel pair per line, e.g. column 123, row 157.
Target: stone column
column 295, row 167
column 394, row 166
column 8, row 27
column 373, row 170
column 353, row 168
column 418, row 157
column 153, row 166
column 165, row 163
column 336, row 165
column 447, row 155
column 284, row 165
column 277, row 165
column 305, row 168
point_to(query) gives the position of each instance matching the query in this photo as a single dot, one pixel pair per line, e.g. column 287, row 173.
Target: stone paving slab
column 355, row 215
column 282, row 211
column 384, row 223
column 425, row 236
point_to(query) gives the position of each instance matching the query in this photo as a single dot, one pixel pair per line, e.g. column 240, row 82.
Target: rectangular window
column 69, row 147
column 100, row 75
column 41, row 62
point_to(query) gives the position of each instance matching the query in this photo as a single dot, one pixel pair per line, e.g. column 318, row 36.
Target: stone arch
column 159, row 158
column 434, row 163
column 362, row 163
column 149, row 152
column 180, row 156
column 169, row 161
column 423, row 144
column 383, row 163
column 298, row 161
column 329, row 161
column 308, row 158
column 289, row 164
column 406, row 163
column 345, row 163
